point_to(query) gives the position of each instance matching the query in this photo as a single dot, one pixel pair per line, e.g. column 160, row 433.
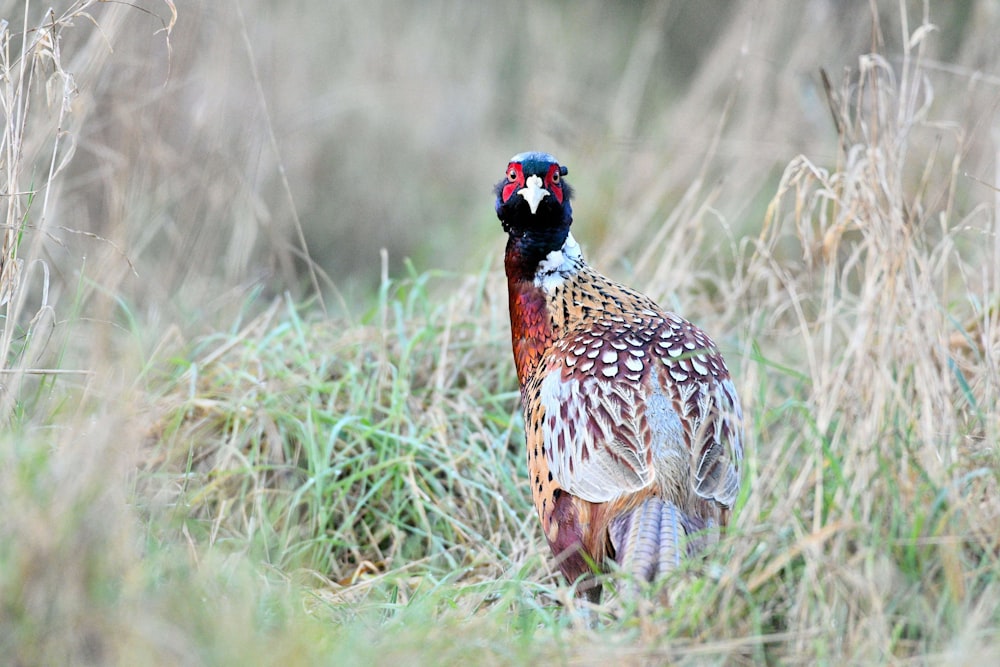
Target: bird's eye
column 555, row 176
column 512, row 175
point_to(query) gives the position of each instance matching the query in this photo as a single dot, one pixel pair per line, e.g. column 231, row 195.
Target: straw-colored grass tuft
column 198, row 466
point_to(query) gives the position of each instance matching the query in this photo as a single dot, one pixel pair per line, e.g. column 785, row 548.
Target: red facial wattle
column 553, row 182
column 516, row 181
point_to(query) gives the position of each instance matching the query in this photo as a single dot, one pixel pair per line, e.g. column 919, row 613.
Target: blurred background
column 207, row 165
column 170, row 167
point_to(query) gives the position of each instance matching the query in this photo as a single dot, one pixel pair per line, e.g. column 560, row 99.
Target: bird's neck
column 526, row 249
column 531, row 326
column 535, row 271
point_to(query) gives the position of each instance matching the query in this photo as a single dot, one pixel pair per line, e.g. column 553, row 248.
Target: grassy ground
column 200, row 467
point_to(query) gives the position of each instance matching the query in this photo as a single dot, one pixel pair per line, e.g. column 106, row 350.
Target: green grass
column 288, row 484
column 351, row 494
column 350, row 447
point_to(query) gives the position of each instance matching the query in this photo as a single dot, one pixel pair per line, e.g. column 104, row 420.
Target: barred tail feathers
column 650, row 540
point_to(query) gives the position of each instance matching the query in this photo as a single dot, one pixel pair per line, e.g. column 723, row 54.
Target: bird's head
column 533, row 197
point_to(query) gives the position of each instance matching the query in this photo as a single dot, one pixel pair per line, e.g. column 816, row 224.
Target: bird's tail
column 649, row 540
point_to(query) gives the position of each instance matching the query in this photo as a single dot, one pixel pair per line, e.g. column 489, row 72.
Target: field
column 258, row 399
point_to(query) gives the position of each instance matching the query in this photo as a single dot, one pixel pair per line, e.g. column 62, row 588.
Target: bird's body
column 633, row 424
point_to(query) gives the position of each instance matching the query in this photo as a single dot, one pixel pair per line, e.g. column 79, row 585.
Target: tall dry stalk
column 878, row 306
column 41, row 126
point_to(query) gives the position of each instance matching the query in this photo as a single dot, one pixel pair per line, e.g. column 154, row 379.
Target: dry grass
column 277, row 484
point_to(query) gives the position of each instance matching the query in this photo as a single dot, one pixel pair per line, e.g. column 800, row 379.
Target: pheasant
column 632, row 422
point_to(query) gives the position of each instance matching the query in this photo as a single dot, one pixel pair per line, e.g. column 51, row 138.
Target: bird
column 633, row 425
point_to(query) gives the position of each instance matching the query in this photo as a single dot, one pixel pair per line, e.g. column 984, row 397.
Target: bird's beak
column 533, row 192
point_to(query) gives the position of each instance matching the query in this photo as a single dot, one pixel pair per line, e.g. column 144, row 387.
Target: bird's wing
column 595, row 439
column 616, row 399
column 703, row 396
column 595, row 416
column 719, row 449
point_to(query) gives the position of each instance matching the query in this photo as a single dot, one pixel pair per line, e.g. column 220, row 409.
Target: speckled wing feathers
column 630, row 403
column 593, row 435
column 632, row 422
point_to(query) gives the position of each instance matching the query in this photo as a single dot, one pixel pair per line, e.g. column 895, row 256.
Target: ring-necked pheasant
column 633, row 424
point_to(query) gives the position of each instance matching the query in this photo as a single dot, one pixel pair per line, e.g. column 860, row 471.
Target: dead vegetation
column 350, row 485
